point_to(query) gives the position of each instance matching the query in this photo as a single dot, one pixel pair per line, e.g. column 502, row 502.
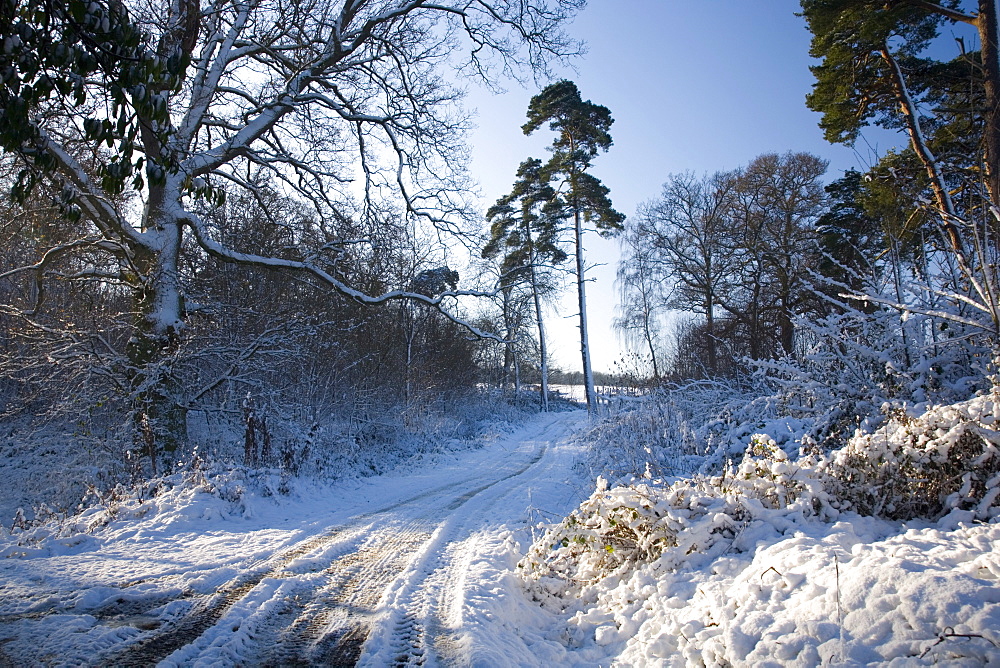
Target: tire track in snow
column 334, row 631
column 416, row 630
column 50, row 604
column 209, row 609
column 331, row 629
column 332, row 624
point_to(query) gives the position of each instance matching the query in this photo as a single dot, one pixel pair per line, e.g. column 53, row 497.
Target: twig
column 948, row 632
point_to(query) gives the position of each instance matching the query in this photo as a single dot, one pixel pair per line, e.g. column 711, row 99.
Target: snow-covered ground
column 415, row 564
column 576, row 393
column 856, row 592
column 420, row 567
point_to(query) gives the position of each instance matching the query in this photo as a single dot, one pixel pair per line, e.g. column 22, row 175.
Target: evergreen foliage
column 582, row 131
column 89, row 57
column 528, row 234
column 530, row 238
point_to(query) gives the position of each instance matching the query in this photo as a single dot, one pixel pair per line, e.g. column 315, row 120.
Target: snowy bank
column 885, row 552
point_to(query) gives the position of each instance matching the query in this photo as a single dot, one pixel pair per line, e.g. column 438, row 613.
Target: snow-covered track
column 422, row 608
column 376, row 586
column 208, row 610
column 333, row 627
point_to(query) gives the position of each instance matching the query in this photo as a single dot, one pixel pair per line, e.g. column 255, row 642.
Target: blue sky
column 701, row 86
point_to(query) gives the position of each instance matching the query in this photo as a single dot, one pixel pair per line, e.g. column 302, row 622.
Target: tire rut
column 415, row 633
column 411, row 642
column 332, row 629
column 331, row 626
column 173, row 636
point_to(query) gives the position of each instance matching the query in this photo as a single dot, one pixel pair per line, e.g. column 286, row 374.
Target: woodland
column 241, row 221
column 276, row 388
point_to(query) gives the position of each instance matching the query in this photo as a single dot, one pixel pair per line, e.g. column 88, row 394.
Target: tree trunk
column 542, row 348
column 517, row 377
column 544, row 354
column 787, row 298
column 588, row 373
column 710, row 335
column 947, row 217
column 989, row 34
column 909, row 111
column 786, row 329
column 159, row 416
column 647, row 331
column 898, row 284
column 508, row 352
column 409, row 332
column 756, row 336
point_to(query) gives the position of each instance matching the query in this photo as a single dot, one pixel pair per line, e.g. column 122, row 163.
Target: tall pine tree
column 528, row 235
column 582, row 132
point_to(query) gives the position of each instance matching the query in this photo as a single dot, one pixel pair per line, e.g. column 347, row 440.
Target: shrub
column 927, row 465
column 618, row 529
column 914, row 466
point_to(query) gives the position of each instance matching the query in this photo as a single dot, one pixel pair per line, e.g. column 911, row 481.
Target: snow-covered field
column 572, row 392
column 420, row 567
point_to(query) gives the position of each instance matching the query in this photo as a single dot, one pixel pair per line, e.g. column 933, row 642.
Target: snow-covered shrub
column 697, row 426
column 926, row 465
column 618, row 529
column 866, row 353
column 915, row 466
column 612, row 530
column 645, row 437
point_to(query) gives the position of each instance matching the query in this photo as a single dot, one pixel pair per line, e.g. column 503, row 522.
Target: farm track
column 324, row 616
column 209, row 609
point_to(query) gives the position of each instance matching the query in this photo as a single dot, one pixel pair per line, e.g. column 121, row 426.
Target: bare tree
column 686, row 229
column 786, row 199
column 645, row 296
column 736, row 248
column 337, row 100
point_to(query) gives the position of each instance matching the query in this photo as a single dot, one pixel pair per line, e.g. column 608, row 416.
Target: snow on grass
column 770, row 563
column 859, row 591
column 884, row 552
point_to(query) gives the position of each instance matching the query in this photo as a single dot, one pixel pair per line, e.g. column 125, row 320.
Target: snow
column 108, row 579
column 858, row 592
column 427, row 565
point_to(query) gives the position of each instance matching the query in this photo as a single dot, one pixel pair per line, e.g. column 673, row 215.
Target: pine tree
column 582, row 131
column 875, row 68
column 530, row 237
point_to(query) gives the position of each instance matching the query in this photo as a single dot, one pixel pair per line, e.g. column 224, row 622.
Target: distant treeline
column 558, row 377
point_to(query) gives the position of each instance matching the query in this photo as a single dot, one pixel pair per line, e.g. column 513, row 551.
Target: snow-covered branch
column 225, row 254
